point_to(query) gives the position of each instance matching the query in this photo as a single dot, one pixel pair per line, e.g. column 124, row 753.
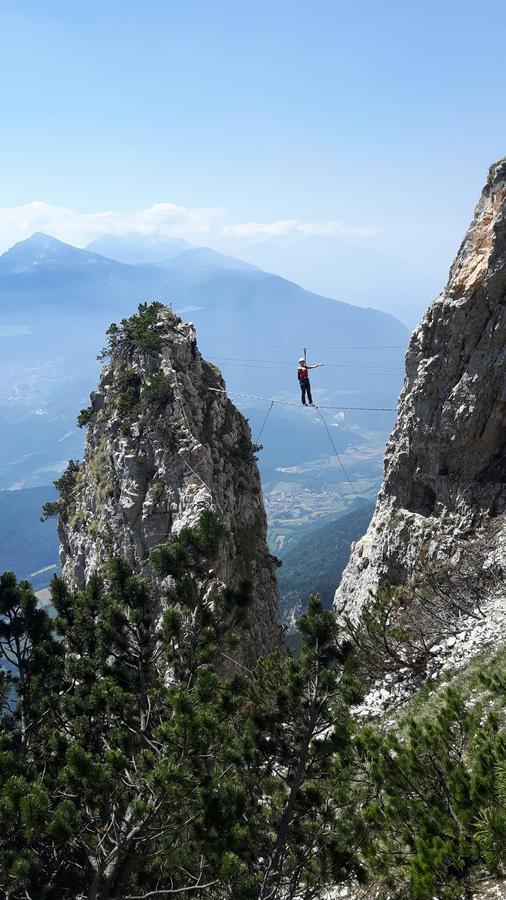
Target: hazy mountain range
column 348, row 267
column 340, row 265
column 56, row 302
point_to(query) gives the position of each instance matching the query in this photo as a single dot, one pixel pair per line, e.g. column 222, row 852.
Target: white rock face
column 445, row 466
column 155, row 461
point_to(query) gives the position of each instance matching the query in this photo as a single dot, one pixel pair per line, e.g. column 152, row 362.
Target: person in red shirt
column 303, row 376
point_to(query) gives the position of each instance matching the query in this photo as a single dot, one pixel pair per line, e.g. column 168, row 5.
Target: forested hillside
column 315, row 564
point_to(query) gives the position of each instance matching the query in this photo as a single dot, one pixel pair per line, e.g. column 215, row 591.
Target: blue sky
column 378, row 118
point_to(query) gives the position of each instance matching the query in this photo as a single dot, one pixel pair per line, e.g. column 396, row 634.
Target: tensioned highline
column 292, row 403
column 313, row 407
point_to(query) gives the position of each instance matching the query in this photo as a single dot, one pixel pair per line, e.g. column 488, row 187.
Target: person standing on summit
column 192, row 334
column 303, row 376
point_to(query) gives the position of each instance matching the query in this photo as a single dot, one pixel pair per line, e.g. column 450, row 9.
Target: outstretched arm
column 317, row 366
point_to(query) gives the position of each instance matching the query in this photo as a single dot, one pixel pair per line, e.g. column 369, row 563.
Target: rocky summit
column 164, row 443
column 443, row 499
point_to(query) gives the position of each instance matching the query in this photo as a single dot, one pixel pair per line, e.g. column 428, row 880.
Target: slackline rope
column 348, row 479
column 291, row 346
column 318, row 411
column 292, row 403
column 259, row 435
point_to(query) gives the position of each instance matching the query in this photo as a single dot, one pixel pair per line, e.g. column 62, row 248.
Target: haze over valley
column 56, row 302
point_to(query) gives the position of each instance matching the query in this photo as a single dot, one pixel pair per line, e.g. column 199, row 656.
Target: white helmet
column 302, row 360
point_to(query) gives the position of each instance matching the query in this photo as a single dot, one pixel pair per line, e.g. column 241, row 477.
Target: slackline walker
column 305, row 387
column 303, row 378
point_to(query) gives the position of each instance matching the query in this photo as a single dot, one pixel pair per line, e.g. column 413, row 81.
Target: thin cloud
column 290, row 227
column 7, row 331
column 70, row 225
column 162, row 219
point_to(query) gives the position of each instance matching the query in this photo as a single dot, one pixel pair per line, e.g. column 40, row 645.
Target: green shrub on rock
column 65, row 485
column 138, row 332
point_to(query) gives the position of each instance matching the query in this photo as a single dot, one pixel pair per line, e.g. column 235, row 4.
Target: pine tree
column 297, row 753
column 132, row 766
column 423, row 789
column 132, row 752
column 144, row 729
column 32, row 663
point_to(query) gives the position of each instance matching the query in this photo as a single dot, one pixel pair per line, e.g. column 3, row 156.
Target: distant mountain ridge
column 138, row 248
column 42, row 251
column 57, row 300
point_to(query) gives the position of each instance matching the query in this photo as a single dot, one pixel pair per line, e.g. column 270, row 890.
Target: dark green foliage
column 300, row 737
column 164, row 432
column 211, row 375
column 197, row 622
column 491, row 823
column 158, row 389
column 127, row 389
column 433, row 800
column 129, row 782
column 29, row 687
column 50, row 509
column 132, row 397
column 386, row 637
column 65, row 486
column 121, row 753
column 208, row 424
column 26, row 645
column 136, row 333
column 117, row 781
column 85, row 416
column 245, row 449
column 430, row 790
column 191, row 551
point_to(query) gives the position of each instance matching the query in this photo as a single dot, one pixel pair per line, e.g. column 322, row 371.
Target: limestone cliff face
column 444, row 486
column 161, row 448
